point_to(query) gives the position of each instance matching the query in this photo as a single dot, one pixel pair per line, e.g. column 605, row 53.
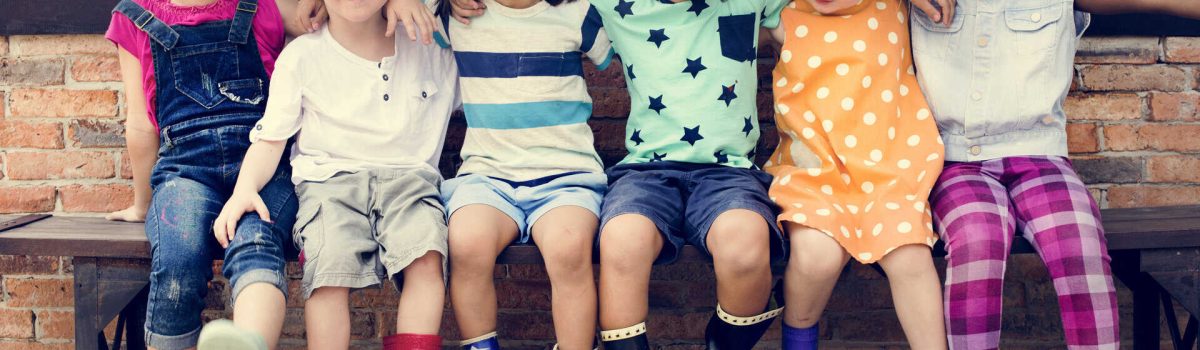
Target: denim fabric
column 996, row 78
column 525, row 202
column 210, row 81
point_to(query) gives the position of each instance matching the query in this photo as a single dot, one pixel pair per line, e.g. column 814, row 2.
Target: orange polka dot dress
column 859, row 151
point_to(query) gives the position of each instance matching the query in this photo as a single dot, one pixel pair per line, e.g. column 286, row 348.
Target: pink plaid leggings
column 980, row 206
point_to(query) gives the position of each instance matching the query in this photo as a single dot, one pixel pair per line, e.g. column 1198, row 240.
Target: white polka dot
column 869, row 118
column 893, row 38
column 799, row 218
column 919, row 206
column 886, row 95
column 868, row 187
column 823, row 212
column 932, row 157
column 851, row 141
column 843, row 69
column 880, row 5
column 801, row 31
column 876, row 155
column 827, row 189
column 866, row 82
column 768, row 164
column 921, row 176
column 797, row 87
column 939, row 140
column 814, row 62
column 847, row 104
column 860, row 45
column 900, row 16
column 869, row 163
column 877, row 230
column 842, row 158
column 883, row 59
column 929, row 241
column 873, row 23
column 785, row 56
column 839, row 208
column 772, row 198
column 858, row 233
column 810, row 117
column 903, row 89
column 797, row 205
column 785, row 180
column 903, row 164
column 891, row 133
column 892, row 205
column 846, row 179
column 783, row 109
column 922, row 114
column 823, row 92
column 814, row 171
column 808, row 133
column 914, row 140
column 911, row 197
column 865, row 256
column 827, row 125
column 852, row 208
column 870, row 205
column 904, row 227
column 845, row 232
column 782, row 82
column 831, row 37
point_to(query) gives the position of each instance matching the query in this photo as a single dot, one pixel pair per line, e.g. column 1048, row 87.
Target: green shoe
column 223, row 335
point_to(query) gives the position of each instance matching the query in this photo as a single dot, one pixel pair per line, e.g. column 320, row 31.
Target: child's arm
column 293, row 26
column 261, row 160
column 940, row 11
column 1181, row 8
column 307, row 15
column 417, row 18
column 140, row 138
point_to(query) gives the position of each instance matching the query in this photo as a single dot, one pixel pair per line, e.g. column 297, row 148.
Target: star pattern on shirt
column 629, row 72
column 637, row 137
column 624, row 8
column 722, row 158
column 749, row 126
column 658, row 36
column 698, row 6
column 657, row 105
column 658, row 157
column 694, row 66
column 691, row 135
column 727, row 94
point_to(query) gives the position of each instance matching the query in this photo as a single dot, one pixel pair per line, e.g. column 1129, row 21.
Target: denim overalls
column 211, row 89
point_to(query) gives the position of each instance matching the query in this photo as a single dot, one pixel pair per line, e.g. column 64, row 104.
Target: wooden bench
column 1156, row 252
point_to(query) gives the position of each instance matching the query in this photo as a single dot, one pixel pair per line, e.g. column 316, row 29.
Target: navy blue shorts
column 683, row 200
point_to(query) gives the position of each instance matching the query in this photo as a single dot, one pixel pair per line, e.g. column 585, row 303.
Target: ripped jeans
column 196, row 172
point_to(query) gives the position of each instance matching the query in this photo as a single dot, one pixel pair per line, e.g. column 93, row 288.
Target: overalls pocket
column 201, row 69
column 737, row 36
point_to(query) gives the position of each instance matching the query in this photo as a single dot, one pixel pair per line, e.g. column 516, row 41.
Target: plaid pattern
column 978, row 208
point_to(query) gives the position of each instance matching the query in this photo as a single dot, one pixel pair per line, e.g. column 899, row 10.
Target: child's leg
column 1062, row 220
column 975, row 219
column 739, row 241
column 813, row 269
column 179, row 226
column 478, row 233
column 917, row 295
column 254, row 263
column 628, row 246
column 565, row 236
column 423, row 297
column 327, row 318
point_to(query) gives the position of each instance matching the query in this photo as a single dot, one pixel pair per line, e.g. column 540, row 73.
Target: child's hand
column 240, row 203
column 417, row 19
column 131, row 214
column 940, row 11
column 310, row 14
column 465, row 9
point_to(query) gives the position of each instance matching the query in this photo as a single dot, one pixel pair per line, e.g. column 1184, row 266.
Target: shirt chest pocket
column 930, row 39
column 421, row 103
column 546, row 70
column 1036, row 29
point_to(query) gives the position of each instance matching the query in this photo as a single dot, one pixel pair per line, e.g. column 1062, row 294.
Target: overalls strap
column 242, row 19
column 144, row 20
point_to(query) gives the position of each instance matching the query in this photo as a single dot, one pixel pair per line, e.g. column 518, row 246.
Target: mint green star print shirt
column 691, row 69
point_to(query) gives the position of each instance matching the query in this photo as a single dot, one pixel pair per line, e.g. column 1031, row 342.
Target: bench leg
column 104, row 290
column 1127, row 266
column 88, row 333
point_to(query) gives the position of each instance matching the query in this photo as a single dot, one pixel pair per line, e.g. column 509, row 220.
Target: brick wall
column 1134, row 134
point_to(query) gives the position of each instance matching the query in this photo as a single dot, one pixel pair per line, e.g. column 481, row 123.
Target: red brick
column 39, row 292
column 55, row 325
column 1137, row 78
column 1116, row 106
column 96, row 198
column 1170, row 106
column 39, row 45
column 89, row 133
column 28, row 265
column 1174, row 169
column 16, row 324
column 23, row 134
column 523, row 295
column 30, row 345
column 26, row 199
column 1081, row 138
column 1158, row 137
column 1151, row 196
column 90, row 68
column 60, row 165
column 62, row 103
column 1137, row 50
column 31, row 71
column 1182, row 50
column 126, row 166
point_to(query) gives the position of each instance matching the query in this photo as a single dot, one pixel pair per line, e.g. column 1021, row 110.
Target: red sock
column 408, row 341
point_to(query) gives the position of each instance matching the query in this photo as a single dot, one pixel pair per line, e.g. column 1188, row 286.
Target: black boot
column 729, row 332
column 629, row 338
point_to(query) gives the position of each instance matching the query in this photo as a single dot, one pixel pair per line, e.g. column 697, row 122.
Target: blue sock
column 485, row 342
column 800, row 338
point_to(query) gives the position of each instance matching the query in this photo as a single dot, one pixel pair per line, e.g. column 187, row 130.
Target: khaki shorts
column 355, row 229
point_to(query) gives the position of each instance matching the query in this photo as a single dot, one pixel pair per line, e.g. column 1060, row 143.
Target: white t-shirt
column 353, row 114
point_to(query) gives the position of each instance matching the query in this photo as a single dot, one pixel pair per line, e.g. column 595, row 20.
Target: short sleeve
column 124, row 34
column 595, row 44
column 282, row 117
column 442, row 34
column 771, row 11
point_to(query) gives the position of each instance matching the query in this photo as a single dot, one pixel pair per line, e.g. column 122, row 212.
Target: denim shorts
column 684, row 199
column 525, row 202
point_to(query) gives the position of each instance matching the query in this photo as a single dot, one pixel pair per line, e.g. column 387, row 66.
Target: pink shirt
column 267, row 27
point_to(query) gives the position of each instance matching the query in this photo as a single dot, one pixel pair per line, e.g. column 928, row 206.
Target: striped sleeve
column 595, row 42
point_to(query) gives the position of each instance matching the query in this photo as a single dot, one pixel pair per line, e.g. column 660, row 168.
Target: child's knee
column 428, row 266
column 820, row 265
column 472, row 256
column 629, row 237
column 909, row 262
